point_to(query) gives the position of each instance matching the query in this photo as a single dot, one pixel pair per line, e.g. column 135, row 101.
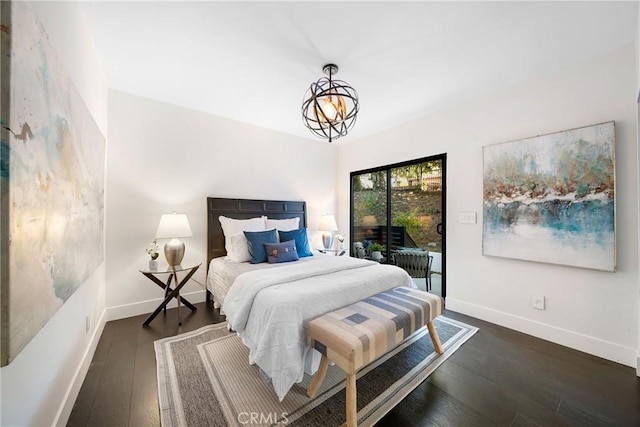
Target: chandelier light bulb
column 329, row 110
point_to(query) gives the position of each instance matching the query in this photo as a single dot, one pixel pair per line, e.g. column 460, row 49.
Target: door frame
column 443, row 158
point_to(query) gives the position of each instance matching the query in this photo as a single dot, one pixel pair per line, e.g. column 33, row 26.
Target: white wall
column 638, row 141
column 638, row 54
column 592, row 311
column 163, row 158
column 40, row 386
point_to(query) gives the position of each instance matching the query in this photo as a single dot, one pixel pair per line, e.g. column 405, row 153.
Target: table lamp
column 328, row 225
column 173, row 226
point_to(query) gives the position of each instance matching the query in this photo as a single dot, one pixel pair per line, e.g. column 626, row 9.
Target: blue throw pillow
column 300, row 237
column 256, row 241
column 281, row 252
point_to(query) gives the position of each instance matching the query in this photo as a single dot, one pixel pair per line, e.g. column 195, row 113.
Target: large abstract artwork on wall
column 551, row 198
column 52, row 182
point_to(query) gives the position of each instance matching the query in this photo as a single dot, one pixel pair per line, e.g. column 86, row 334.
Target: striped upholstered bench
column 356, row 335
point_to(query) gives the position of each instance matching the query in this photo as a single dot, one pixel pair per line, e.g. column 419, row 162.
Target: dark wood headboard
column 243, row 209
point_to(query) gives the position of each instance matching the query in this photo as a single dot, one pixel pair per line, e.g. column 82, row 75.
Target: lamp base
column 327, row 240
column 174, row 252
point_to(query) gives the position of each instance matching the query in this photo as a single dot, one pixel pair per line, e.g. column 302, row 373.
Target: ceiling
column 253, row 61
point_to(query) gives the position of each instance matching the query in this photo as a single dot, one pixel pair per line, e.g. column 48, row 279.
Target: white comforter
column 269, row 308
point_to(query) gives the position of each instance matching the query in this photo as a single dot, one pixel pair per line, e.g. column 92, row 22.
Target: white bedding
column 222, row 274
column 269, row 307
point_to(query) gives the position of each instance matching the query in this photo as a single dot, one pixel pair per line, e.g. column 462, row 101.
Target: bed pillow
column 256, row 241
column 300, row 237
column 281, row 252
column 231, row 227
column 239, row 249
column 283, row 224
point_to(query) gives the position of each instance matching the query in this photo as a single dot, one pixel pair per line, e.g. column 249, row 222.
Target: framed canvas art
column 552, row 199
column 52, row 157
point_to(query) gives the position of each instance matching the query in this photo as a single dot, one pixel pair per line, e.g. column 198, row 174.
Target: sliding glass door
column 397, row 217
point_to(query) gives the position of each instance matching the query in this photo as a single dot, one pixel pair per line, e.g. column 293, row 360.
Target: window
column 369, row 203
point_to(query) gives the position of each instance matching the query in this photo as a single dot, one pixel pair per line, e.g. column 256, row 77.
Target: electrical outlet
column 87, row 323
column 537, row 301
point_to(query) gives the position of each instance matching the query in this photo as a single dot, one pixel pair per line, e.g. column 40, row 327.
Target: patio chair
column 415, row 262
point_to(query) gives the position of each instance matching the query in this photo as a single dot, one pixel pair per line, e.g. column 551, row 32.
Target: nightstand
column 172, row 274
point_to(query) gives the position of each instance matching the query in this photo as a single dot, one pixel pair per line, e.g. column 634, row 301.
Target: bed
column 268, row 305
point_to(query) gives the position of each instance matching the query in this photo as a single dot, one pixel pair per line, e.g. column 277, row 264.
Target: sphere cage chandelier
column 330, row 106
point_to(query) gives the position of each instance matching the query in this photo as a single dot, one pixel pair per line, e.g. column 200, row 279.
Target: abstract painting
column 52, row 182
column 551, row 198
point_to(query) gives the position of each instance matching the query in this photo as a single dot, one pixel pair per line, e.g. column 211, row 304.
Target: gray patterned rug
column 204, row 379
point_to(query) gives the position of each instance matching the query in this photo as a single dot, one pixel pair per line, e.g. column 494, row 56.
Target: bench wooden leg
column 318, row 377
column 434, row 337
column 352, row 407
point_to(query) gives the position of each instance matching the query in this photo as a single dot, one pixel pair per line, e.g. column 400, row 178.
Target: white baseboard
column 112, row 313
column 144, row 307
column 607, row 350
column 64, row 412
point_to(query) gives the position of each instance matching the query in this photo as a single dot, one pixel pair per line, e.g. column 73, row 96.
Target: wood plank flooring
column 498, row 378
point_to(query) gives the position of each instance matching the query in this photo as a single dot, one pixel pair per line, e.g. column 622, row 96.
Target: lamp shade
column 327, row 223
column 173, row 225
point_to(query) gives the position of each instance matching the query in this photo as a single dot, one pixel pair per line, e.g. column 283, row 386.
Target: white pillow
column 283, row 224
column 231, row 227
column 239, row 249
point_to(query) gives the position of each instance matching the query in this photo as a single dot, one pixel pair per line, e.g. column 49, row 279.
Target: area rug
column 204, row 379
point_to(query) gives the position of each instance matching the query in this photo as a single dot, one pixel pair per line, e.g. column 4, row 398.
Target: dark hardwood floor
column 498, row 378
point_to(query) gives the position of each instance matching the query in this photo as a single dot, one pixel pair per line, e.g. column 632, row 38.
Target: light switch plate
column 467, row 217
